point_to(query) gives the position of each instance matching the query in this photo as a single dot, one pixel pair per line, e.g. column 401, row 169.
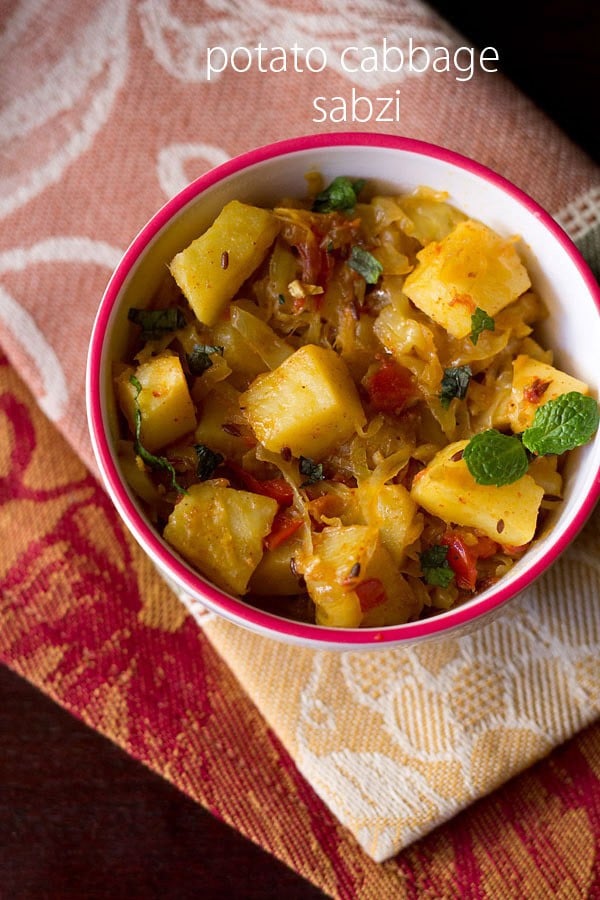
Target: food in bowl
column 339, row 407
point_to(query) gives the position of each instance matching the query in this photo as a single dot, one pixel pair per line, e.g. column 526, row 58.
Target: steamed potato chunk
column 506, row 514
column 212, row 268
column 353, row 581
column 222, row 407
column 164, row 401
column 471, row 267
column 309, row 404
column 221, row 531
column 274, row 575
column 533, row 384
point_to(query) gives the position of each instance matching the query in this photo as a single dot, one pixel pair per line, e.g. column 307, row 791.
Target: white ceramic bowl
column 395, row 164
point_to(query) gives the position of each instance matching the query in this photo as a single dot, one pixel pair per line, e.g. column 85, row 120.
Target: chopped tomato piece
column 285, row 524
column 514, row 551
column 391, row 387
column 277, row 488
column 485, row 547
column 462, row 557
column 370, row 593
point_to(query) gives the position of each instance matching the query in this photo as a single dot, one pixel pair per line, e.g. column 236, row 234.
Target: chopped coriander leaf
column 199, row 359
column 156, row 322
column 365, row 264
column 341, row 194
column 312, row 470
column 435, row 566
column 480, row 321
column 208, row 461
column 561, row 424
column 495, row 458
column 454, row 384
column 155, row 462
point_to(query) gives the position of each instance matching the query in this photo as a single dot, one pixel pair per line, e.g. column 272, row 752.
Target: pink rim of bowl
column 461, row 618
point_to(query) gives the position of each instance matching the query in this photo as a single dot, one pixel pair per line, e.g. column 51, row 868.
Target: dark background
column 78, row 817
column 550, row 49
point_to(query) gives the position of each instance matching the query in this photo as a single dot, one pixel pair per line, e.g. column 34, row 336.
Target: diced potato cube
column 164, row 401
column 137, row 476
column 212, row 268
column 446, row 488
column 221, row 530
column 471, row 267
column 221, row 408
column 309, row 404
column 274, row 575
column 353, row 580
column 533, row 384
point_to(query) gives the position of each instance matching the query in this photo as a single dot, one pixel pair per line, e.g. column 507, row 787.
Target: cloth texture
column 332, row 761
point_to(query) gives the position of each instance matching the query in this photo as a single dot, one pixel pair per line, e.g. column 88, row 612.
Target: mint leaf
column 155, row 462
column 208, row 460
column 199, row 359
column 454, row 384
column 312, row 470
column 365, row 264
column 480, row 321
column 156, row 322
column 340, row 194
column 562, row 424
column 495, row 458
column 435, row 566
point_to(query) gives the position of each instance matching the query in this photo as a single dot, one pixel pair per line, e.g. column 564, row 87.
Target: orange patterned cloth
column 107, row 111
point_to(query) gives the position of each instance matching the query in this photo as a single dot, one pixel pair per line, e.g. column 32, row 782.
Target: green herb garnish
column 199, row 359
column 495, row 458
column 155, row 462
column 312, row 470
column 208, row 461
column 435, row 566
column 341, row 194
column 365, row 264
column 454, row 384
column 562, row 424
column 480, row 321
column 156, row 322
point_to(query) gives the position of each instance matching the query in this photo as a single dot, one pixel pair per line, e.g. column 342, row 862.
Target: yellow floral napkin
column 398, row 741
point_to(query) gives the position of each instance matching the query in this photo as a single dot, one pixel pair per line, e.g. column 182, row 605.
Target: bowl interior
column 392, row 165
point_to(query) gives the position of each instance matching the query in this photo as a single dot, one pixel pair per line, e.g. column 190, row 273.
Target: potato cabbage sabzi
column 339, row 410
